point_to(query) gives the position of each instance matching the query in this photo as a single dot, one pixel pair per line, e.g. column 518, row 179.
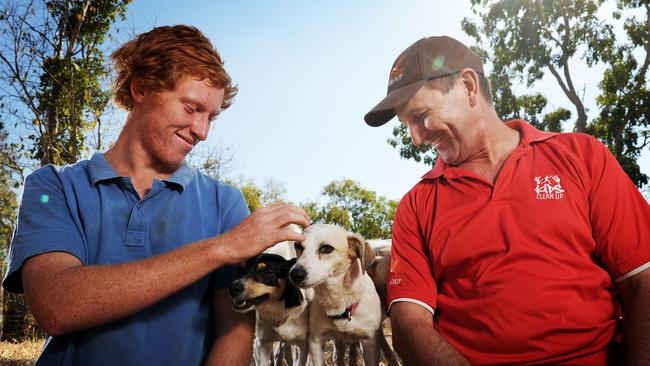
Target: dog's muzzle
column 297, row 275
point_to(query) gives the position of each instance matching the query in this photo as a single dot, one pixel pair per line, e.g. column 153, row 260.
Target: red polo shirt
column 523, row 271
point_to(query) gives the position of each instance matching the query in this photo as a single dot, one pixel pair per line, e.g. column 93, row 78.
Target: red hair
column 162, row 56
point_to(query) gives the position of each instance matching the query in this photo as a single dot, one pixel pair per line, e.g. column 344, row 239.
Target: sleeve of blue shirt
column 234, row 212
column 45, row 224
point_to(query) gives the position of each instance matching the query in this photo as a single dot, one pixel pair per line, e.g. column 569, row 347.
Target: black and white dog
column 282, row 309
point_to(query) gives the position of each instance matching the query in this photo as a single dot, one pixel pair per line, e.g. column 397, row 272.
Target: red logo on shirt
column 549, row 188
column 395, row 278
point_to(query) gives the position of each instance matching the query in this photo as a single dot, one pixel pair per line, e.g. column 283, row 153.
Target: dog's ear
column 244, row 267
column 361, row 250
column 291, row 295
column 286, row 267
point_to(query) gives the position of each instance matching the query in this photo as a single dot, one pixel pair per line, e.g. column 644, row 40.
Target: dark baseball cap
column 426, row 59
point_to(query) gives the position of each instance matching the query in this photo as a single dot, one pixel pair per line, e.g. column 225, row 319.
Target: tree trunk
column 15, row 317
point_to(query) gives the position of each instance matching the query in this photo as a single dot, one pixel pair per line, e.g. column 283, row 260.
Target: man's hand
column 416, row 340
column 262, row 229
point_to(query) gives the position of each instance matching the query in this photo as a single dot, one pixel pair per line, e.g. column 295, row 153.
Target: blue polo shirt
column 91, row 212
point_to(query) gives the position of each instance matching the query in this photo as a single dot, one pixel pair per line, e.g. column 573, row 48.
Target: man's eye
column 420, row 118
column 325, row 249
column 190, row 109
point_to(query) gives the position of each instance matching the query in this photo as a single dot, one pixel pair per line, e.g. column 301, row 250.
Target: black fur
column 291, row 295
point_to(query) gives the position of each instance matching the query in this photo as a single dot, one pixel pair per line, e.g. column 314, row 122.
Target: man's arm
column 234, row 343
column 66, row 296
column 416, row 340
column 635, row 293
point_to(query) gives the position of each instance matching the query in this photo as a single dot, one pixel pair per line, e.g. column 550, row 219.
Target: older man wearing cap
column 519, row 246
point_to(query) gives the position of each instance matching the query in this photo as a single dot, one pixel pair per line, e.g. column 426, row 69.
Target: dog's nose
column 236, row 288
column 298, row 274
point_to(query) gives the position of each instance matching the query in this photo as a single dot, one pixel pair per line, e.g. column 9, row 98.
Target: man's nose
column 200, row 127
column 416, row 134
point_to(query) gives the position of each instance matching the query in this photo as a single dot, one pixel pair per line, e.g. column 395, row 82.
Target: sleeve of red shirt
column 410, row 274
column 620, row 216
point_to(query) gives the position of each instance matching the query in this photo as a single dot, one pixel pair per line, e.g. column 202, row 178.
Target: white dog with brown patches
column 333, row 262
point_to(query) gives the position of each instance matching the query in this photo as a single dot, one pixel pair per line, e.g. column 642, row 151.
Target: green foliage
column 624, row 113
column 271, row 193
column 344, row 203
column 8, row 184
column 54, row 72
column 53, row 94
column 354, row 208
column 521, row 40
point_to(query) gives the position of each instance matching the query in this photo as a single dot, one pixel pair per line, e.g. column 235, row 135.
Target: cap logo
column 396, row 72
column 438, row 62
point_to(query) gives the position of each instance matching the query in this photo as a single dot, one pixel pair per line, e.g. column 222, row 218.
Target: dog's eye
column 263, row 274
column 325, row 249
column 299, row 248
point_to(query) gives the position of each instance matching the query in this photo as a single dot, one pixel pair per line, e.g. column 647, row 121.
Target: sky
column 307, row 73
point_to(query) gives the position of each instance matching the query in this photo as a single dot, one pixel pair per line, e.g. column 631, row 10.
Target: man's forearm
column 419, row 346
column 66, row 296
column 636, row 321
column 234, row 331
column 233, row 348
column 416, row 340
column 77, row 297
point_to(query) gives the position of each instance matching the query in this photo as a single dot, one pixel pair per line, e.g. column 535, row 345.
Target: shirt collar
column 182, row 176
column 529, row 135
column 100, row 170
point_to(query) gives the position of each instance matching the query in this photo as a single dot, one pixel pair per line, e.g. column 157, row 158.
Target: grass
column 20, row 354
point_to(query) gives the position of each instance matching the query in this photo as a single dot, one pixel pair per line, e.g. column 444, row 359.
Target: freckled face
column 170, row 123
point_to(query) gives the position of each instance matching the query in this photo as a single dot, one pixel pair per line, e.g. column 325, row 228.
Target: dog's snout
column 297, row 274
column 236, row 288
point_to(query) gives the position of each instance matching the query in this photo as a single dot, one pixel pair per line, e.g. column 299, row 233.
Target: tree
column 528, row 38
column 256, row 197
column 53, row 74
column 354, row 208
column 8, row 203
column 216, row 161
column 625, row 100
column 52, row 90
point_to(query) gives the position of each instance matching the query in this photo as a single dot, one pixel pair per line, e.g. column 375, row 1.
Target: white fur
column 275, row 323
column 339, row 281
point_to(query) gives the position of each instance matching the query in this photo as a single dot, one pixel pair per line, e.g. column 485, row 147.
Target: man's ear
column 360, row 249
column 469, row 77
column 136, row 89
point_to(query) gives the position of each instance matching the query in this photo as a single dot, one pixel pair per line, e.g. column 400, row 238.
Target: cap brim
column 385, row 110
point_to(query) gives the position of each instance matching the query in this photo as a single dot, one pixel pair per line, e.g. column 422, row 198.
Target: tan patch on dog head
column 253, row 289
column 358, row 248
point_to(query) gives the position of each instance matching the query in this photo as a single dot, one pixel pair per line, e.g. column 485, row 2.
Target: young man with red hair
column 124, row 258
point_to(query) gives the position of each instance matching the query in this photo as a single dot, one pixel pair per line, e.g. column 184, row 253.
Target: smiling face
column 167, row 124
column 443, row 120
